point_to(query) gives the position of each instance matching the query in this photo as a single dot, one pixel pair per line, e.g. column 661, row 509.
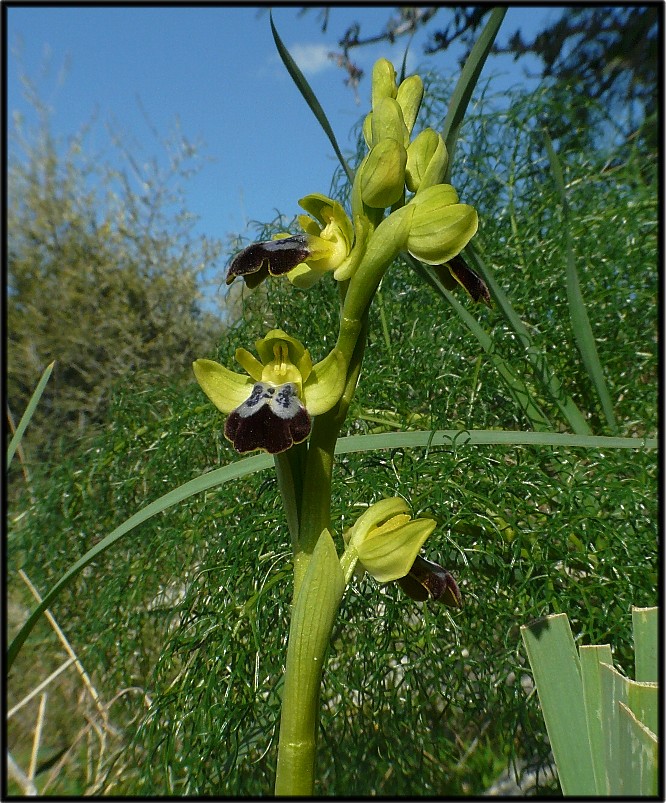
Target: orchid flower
column 270, row 407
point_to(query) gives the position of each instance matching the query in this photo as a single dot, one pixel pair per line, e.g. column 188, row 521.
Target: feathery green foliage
column 192, row 608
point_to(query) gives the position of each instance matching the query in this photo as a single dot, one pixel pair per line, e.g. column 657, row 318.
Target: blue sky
column 216, row 69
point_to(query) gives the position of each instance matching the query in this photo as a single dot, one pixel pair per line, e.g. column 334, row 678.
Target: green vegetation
column 182, row 625
column 104, row 274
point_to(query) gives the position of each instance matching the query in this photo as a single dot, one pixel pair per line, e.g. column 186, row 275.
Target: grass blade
column 467, row 82
column 535, row 356
column 29, row 411
column 310, row 98
column 355, row 443
column 580, row 322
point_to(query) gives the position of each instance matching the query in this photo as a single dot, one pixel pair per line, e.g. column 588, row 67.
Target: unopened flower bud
column 383, row 81
column 382, row 178
column 440, row 227
column 409, row 96
column 427, row 159
column 387, row 123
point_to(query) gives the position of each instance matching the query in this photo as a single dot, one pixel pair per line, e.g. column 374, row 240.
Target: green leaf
column 639, row 752
column 557, row 674
column 591, row 658
column 580, row 322
column 645, row 623
column 310, row 97
column 355, row 443
column 467, row 82
column 29, row 411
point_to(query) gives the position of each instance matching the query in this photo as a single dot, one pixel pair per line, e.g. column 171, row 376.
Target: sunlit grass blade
column 580, row 322
column 536, row 356
column 556, row 668
column 355, row 443
column 29, row 411
column 210, row 480
column 414, row 439
column 310, row 98
column 467, row 82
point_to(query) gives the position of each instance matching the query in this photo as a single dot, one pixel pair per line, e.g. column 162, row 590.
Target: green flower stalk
column 294, row 409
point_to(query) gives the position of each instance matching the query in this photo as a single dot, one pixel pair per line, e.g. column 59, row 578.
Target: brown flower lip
column 470, row 280
column 428, row 580
column 271, row 418
column 269, row 258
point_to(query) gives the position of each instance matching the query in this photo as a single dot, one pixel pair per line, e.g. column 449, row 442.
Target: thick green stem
column 313, row 613
column 319, row 582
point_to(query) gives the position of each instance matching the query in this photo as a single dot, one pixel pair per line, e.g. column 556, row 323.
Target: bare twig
column 32, row 769
column 41, row 687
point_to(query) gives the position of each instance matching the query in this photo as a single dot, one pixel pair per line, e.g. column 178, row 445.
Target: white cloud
column 313, row 58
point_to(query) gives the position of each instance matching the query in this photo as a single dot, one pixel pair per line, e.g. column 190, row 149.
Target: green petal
column 265, row 347
column 249, row 363
column 226, row 389
column 324, row 386
column 389, row 556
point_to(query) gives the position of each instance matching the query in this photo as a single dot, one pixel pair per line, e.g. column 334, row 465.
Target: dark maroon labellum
column 273, row 257
column 470, row 280
column 428, row 580
column 272, row 418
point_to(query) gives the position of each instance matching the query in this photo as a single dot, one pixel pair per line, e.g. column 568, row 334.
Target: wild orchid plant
column 294, row 409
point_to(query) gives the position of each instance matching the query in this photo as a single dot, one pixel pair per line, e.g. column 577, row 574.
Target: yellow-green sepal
column 226, row 389
column 386, row 540
column 325, row 383
column 389, row 555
